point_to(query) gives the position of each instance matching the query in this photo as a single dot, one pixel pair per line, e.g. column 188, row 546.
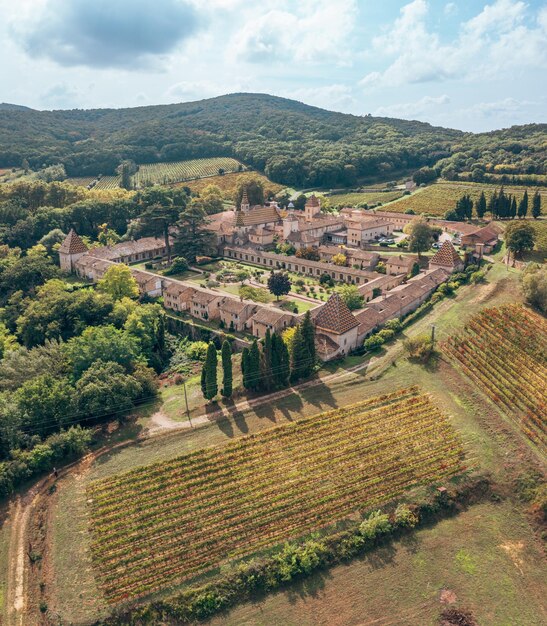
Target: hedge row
column 247, row 580
column 55, row 450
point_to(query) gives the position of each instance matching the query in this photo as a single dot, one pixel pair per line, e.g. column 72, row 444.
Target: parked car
column 389, row 241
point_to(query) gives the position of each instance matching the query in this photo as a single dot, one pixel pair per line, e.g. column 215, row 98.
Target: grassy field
column 251, row 494
column 504, row 351
column 441, row 197
column 229, row 182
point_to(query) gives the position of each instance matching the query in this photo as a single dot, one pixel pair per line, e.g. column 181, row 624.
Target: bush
column 197, row 350
column 376, row 525
column 445, row 289
column 179, row 265
column 477, row 277
column 420, row 348
column 386, row 334
column 436, row 297
column 212, row 283
column 394, row 325
column 373, row 343
column 404, row 517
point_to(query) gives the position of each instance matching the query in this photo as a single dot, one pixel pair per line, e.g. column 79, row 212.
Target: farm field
column 253, row 493
column 180, row 171
column 504, row 351
column 353, row 199
column 437, row 199
column 228, row 183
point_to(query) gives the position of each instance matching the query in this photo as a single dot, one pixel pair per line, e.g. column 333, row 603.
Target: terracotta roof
column 72, row 244
column 257, row 215
column 482, row 235
column 446, row 256
column 368, row 319
column 367, row 224
column 127, row 248
column 266, row 315
column 335, row 317
column 176, row 289
column 202, row 297
column 231, row 305
column 312, row 201
column 406, row 261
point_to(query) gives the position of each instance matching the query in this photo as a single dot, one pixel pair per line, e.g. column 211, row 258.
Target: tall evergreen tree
column 480, row 206
column 493, row 205
column 209, row 383
column 536, row 205
column 514, row 209
column 227, row 375
column 245, row 367
column 300, row 357
column 253, row 374
column 523, row 205
column 308, row 333
column 267, row 362
column 281, row 369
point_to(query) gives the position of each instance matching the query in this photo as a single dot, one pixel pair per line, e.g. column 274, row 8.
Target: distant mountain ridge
column 7, row 106
column 294, row 143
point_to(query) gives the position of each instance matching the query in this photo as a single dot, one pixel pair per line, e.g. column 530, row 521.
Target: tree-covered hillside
column 293, row 143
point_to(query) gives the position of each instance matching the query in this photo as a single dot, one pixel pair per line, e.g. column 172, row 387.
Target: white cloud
column 315, row 30
column 450, row 8
column 497, row 108
column 410, row 110
column 194, row 89
column 333, row 97
column 494, row 41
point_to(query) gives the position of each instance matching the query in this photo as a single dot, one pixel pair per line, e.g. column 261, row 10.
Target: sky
column 472, row 65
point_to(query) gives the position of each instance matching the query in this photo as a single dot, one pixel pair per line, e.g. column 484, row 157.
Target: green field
column 181, row 171
column 353, row 199
column 441, row 197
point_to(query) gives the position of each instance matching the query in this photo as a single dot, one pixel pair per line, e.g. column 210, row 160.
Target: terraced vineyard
column 504, row 351
column 353, row 199
column 180, row 171
column 163, row 524
column 439, row 198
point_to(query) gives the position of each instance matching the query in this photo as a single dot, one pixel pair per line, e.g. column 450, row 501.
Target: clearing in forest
column 160, row 525
column 504, row 350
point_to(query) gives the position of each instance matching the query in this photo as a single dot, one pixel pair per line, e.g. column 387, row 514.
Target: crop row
column 179, row 171
column 504, row 351
column 169, row 522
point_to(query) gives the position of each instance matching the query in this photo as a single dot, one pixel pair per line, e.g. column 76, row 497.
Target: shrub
column 436, row 297
column 404, row 517
column 394, row 325
column 445, row 289
column 212, row 283
column 386, row 334
column 419, row 348
column 179, row 265
column 373, row 343
column 477, row 277
column 197, row 350
column 377, row 524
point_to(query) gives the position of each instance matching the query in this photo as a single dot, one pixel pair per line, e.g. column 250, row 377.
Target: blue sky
column 472, row 65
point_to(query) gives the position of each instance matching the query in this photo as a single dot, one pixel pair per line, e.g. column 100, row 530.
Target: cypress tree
column 253, row 375
column 308, row 333
column 210, row 368
column 245, row 367
column 536, row 205
column 493, row 204
column 227, row 376
column 514, row 209
column 267, row 362
column 480, row 207
column 301, row 358
column 523, row 205
column 204, row 381
column 285, row 359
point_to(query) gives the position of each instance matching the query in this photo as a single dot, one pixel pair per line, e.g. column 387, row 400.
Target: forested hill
column 293, row 143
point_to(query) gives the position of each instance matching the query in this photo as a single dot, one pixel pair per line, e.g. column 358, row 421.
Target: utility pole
column 186, row 402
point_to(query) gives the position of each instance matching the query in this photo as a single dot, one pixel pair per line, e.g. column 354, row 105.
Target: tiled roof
column 483, row 235
column 176, row 289
column 202, row 297
column 257, row 215
column 401, row 260
column 367, row 224
column 335, row 316
column 231, row 305
column 72, row 244
column 267, row 315
column 446, row 256
column 312, row 201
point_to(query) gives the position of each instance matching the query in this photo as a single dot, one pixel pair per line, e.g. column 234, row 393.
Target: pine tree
column 308, row 333
column 536, row 205
column 209, row 383
column 227, row 375
column 253, row 374
column 300, row 357
column 480, row 206
column 523, row 205
column 267, row 362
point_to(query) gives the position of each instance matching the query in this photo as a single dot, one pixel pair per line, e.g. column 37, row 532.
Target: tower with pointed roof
column 335, row 325
column 312, row 208
column 245, row 206
column 70, row 251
